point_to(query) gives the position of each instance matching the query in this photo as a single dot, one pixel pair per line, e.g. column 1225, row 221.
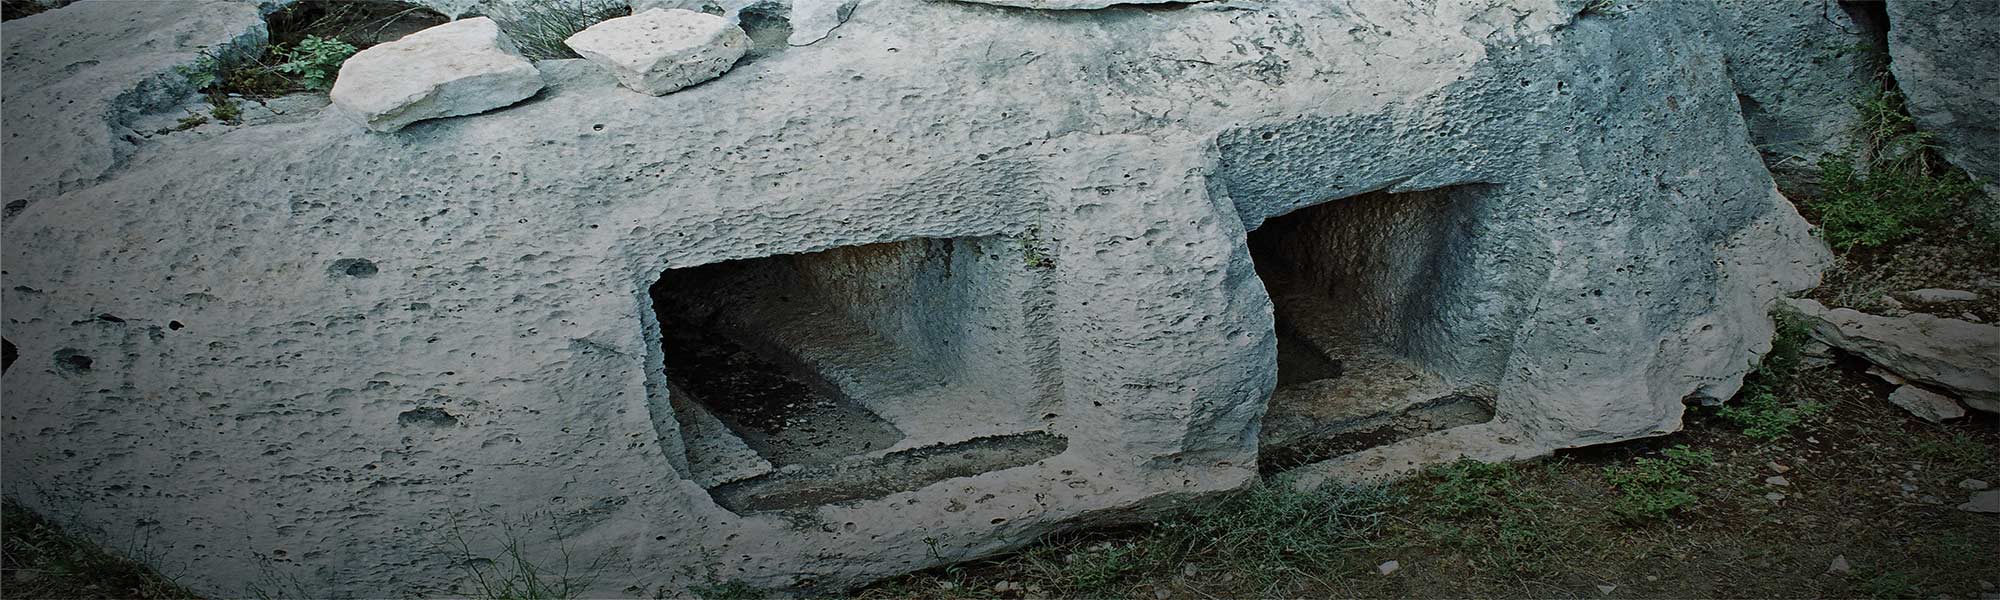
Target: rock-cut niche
column 1355, row 286
column 856, row 372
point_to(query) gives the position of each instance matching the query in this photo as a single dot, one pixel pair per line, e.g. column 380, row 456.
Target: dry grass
column 40, row 560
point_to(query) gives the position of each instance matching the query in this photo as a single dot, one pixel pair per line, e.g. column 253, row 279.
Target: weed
column 1484, row 511
column 1765, row 418
column 316, row 60
column 538, row 29
column 1469, row 487
column 1654, row 488
column 40, row 560
column 511, row 575
column 188, row 122
column 1034, row 251
column 1760, row 410
column 224, row 108
column 1274, row 529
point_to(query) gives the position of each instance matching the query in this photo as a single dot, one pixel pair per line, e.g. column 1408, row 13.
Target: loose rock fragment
column 1983, row 502
column 459, row 68
column 1925, row 404
column 663, row 50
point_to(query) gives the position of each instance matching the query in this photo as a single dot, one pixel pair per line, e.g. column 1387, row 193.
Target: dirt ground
column 1863, row 482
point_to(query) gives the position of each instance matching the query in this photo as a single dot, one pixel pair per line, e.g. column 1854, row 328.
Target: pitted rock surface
column 1613, row 248
column 662, row 50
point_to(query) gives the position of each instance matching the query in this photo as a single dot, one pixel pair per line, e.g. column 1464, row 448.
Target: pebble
column 1774, row 497
column 1189, row 570
column 1388, row 568
column 1777, row 467
column 1983, row 502
column 1778, row 480
column 1839, row 565
column 1606, row 588
column 1160, row 593
column 1006, row 586
column 1973, row 485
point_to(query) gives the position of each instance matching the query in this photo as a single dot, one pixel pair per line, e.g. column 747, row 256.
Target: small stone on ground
column 1983, row 502
column 1388, row 568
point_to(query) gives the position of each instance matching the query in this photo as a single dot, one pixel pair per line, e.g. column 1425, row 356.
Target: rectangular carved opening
column 855, row 372
column 1352, row 284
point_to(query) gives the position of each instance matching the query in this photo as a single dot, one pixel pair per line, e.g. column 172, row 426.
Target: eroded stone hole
column 855, row 372
column 1352, row 283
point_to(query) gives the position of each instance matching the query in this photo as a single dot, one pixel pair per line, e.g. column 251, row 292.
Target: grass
column 40, row 560
column 309, row 41
column 1268, row 537
column 1653, row 489
column 1761, row 409
column 538, row 29
column 1892, row 185
column 513, row 575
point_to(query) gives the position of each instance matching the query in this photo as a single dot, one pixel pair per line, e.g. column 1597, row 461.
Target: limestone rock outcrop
column 1943, row 54
column 460, row 68
column 77, row 77
column 1031, row 271
column 1949, row 354
column 1799, row 67
column 662, row 50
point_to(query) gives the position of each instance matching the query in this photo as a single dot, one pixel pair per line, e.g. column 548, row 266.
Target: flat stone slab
column 1925, row 404
column 459, row 68
column 663, row 50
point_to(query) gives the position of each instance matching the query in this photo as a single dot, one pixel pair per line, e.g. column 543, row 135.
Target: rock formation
column 1943, row 55
column 949, row 279
column 1949, row 354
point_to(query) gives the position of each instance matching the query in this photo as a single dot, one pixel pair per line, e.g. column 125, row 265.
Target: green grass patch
column 1653, row 489
column 1761, row 410
column 1892, row 186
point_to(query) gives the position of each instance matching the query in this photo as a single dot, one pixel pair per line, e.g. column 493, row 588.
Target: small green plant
column 512, row 575
column 1034, row 251
column 1890, row 187
column 1765, row 418
column 1760, row 409
column 315, row 61
column 539, row 28
column 1468, row 487
column 185, row 123
column 224, row 108
column 1654, row 488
